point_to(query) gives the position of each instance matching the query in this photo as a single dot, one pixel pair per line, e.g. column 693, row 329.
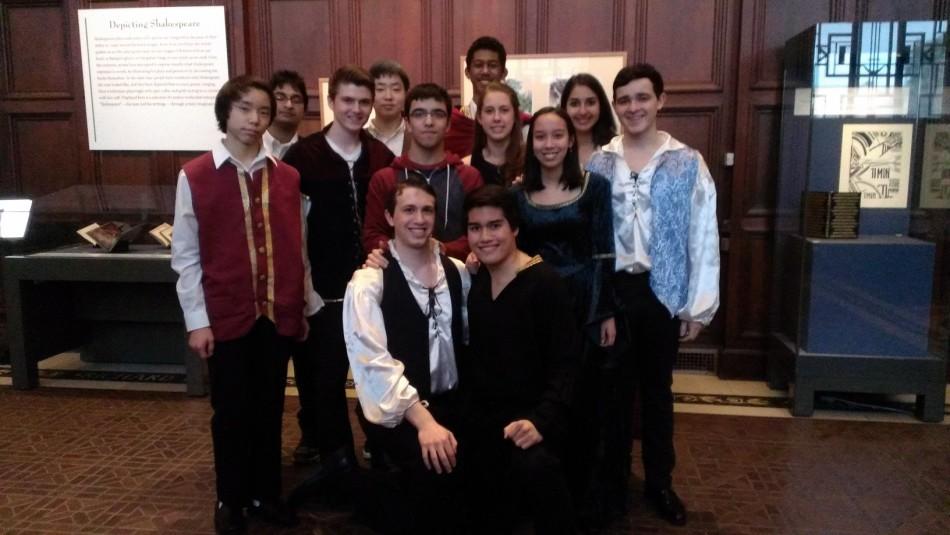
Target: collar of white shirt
column 410, row 276
column 669, row 143
column 221, row 154
column 273, row 144
column 375, row 132
column 470, row 110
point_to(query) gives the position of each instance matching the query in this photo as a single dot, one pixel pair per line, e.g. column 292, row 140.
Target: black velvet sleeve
column 559, row 351
column 602, row 238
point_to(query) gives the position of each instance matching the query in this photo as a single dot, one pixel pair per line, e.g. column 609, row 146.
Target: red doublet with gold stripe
column 250, row 239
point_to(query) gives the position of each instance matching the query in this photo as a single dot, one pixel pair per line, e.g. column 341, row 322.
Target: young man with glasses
column 427, row 111
column 290, row 93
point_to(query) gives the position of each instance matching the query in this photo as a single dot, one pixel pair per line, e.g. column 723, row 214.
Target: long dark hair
column 514, row 154
column 571, row 176
column 604, row 129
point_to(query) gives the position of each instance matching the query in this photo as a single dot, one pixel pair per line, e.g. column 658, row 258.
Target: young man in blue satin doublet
column 666, row 239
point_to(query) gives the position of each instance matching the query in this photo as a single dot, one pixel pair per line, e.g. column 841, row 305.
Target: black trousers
column 653, row 341
column 412, row 498
column 505, row 481
column 320, row 367
column 248, row 376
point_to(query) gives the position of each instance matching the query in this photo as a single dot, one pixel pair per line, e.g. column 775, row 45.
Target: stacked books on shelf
column 830, row 214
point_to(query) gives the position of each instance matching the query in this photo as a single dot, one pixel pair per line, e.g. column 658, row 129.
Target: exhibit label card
column 875, row 162
column 935, row 182
column 151, row 75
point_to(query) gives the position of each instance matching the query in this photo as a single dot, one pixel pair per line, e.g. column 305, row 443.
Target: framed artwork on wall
column 935, row 178
column 875, row 162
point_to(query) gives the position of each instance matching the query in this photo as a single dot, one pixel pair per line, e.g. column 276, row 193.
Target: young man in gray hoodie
column 428, row 108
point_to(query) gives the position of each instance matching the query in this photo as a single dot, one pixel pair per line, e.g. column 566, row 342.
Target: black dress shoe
column 306, row 454
column 273, row 512
column 229, row 520
column 327, row 471
column 668, row 505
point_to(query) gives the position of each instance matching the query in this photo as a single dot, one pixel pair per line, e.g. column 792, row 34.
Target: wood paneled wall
column 721, row 60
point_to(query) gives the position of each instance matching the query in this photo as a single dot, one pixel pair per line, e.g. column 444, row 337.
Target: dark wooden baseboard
column 748, row 364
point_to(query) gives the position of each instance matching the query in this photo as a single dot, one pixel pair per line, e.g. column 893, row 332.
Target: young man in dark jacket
column 335, row 166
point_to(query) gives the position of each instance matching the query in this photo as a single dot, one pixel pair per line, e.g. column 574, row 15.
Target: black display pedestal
column 856, row 319
column 115, row 307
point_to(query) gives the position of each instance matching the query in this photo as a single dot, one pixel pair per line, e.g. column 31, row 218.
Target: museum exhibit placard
column 151, row 75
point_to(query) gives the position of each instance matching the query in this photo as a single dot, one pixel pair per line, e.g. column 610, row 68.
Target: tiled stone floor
column 109, row 462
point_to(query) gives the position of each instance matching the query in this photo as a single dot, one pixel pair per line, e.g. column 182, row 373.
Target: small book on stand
column 112, row 237
column 162, row 234
column 829, row 214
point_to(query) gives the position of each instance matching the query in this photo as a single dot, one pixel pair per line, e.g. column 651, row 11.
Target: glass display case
column 865, row 110
column 64, row 294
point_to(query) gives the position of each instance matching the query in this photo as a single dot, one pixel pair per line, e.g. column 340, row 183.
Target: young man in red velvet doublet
column 244, row 288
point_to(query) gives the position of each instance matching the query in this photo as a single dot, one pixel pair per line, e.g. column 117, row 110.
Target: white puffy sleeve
column 381, row 385
column 703, row 297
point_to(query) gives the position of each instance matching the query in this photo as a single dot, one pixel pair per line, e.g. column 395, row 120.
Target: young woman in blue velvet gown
column 566, row 218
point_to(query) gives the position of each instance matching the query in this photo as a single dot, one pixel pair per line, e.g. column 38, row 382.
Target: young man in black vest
column 404, row 326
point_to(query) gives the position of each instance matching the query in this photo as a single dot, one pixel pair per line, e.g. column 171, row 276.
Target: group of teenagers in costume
column 500, row 299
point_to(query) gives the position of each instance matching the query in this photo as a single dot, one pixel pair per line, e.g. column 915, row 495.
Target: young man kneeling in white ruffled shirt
column 404, row 327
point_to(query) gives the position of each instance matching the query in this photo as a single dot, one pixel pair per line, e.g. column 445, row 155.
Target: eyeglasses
column 294, row 99
column 422, row 114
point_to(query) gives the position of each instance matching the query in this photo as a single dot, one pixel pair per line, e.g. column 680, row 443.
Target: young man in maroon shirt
column 484, row 63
